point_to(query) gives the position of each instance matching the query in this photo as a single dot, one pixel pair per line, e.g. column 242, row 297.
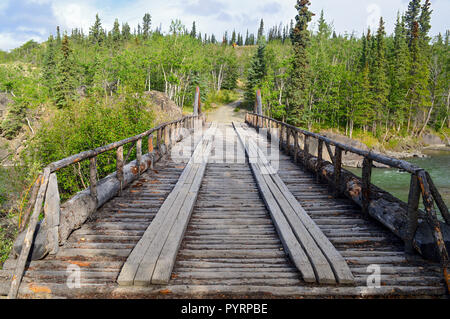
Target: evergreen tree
column 126, row 34
column 299, row 74
column 233, row 38
column 115, row 33
column 247, row 39
column 213, row 39
column 324, row 28
column 58, row 36
column 64, row 86
column 146, row 24
column 261, row 30
column 193, row 30
column 380, row 84
column 411, row 17
column 49, row 67
column 418, row 78
column 256, row 72
column 95, row 31
column 399, row 71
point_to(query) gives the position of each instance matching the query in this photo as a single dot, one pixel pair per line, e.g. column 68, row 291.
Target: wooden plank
column 140, row 265
column 130, row 268
column 290, row 242
column 340, row 267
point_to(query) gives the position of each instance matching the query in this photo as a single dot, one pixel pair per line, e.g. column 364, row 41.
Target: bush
column 86, row 125
column 219, row 98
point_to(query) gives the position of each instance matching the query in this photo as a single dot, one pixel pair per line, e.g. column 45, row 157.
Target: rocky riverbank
column 405, row 151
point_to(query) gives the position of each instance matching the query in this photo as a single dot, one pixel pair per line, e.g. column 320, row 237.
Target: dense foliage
column 379, row 84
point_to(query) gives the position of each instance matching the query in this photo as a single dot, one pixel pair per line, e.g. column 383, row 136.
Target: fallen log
column 382, row 206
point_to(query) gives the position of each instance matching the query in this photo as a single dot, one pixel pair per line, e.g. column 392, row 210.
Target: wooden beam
column 28, row 241
column 413, row 213
column 337, row 170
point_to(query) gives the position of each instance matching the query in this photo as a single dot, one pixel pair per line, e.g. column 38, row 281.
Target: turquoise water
column 397, row 182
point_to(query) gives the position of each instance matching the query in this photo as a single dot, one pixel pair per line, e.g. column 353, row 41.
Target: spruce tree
column 115, row 33
column 256, row 72
column 399, row 71
column 49, row 67
column 260, row 30
column 299, row 74
column 58, row 36
column 126, row 34
column 380, row 84
column 146, row 24
column 411, row 17
column 233, row 38
column 193, row 30
column 64, row 86
column 95, row 31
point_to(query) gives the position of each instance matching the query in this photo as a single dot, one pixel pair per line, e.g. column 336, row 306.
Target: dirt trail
column 226, row 114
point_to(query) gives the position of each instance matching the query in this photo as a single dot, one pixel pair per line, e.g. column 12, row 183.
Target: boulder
column 431, row 139
column 39, row 247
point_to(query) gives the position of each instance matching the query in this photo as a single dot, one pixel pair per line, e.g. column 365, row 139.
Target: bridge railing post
column 93, row 177
column 319, row 158
column 305, row 149
column 296, row 147
column 119, row 167
column 139, row 155
column 366, row 182
column 433, row 221
column 337, row 170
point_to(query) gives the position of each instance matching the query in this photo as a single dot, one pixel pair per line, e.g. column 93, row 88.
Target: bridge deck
column 231, row 247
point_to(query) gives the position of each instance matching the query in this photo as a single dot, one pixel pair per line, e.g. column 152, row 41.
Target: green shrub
column 86, row 125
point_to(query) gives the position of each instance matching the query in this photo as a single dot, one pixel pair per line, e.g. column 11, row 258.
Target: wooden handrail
column 392, row 162
column 91, row 155
column 421, row 182
column 73, row 159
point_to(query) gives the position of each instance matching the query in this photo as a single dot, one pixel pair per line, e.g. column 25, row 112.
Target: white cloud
column 72, row 15
column 9, row 41
column 3, row 5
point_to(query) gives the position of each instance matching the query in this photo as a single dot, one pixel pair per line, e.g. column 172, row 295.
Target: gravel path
column 226, row 114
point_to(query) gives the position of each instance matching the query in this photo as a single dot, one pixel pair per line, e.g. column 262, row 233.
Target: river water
column 397, row 183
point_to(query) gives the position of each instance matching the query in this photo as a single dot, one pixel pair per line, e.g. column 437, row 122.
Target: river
column 397, row 183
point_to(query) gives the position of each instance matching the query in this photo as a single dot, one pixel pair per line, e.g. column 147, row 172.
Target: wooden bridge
column 231, row 217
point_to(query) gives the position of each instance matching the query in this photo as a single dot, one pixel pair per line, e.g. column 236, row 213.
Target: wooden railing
column 421, row 182
column 166, row 135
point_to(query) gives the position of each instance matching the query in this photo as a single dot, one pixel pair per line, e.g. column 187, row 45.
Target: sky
column 23, row 20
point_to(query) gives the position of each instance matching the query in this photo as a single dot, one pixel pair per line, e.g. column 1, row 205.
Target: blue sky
column 22, row 20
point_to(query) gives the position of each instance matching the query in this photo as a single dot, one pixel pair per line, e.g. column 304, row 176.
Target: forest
column 380, row 86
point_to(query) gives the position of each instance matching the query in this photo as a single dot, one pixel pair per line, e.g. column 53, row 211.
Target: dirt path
column 226, row 114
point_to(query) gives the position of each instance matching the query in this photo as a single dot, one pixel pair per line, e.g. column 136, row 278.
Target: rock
column 38, row 248
column 166, row 105
column 431, row 139
column 425, row 243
